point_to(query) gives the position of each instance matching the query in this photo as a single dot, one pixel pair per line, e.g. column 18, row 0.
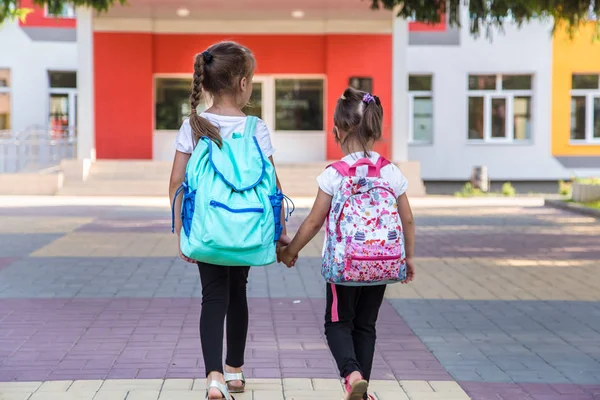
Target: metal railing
column 36, row 149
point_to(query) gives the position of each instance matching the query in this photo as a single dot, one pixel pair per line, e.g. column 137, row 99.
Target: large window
column 67, row 11
column 4, row 99
column 172, row 102
column 63, row 102
column 420, row 108
column 298, row 104
column 255, row 105
column 499, row 108
column 285, row 104
column 585, row 108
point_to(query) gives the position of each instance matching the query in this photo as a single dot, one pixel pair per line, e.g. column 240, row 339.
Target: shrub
column 469, row 191
column 588, row 181
column 565, row 188
column 508, row 190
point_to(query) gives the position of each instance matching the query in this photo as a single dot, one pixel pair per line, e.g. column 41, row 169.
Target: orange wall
column 123, row 95
column 125, row 64
column 38, row 18
column 577, row 55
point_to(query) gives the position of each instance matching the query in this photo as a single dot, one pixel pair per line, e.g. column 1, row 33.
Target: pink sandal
column 357, row 390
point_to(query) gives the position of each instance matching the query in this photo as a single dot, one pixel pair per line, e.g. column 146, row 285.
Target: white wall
column 29, row 62
column 451, row 156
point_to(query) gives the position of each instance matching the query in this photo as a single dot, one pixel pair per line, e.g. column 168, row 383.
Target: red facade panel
column 123, row 95
column 38, row 18
column 364, row 56
column 125, row 64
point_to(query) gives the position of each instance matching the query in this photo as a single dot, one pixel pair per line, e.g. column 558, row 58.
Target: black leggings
column 223, row 294
column 350, row 320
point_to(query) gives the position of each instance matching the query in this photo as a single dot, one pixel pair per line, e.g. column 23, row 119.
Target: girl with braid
column 224, row 72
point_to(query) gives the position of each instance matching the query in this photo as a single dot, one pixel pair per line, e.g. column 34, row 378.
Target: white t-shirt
column 329, row 181
column 227, row 125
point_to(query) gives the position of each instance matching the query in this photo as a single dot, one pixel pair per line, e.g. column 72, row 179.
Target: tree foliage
column 12, row 8
column 484, row 15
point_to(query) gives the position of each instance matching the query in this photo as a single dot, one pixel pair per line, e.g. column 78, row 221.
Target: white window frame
column 507, row 94
column 268, row 98
column 69, row 12
column 411, row 106
column 7, row 89
column 590, row 95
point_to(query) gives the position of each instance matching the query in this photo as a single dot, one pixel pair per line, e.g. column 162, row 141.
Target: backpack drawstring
column 180, row 189
column 287, row 205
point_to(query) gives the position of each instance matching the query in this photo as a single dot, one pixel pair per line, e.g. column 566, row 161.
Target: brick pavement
column 506, row 304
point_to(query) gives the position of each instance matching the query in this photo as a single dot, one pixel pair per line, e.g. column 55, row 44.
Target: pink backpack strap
column 382, row 162
column 342, row 167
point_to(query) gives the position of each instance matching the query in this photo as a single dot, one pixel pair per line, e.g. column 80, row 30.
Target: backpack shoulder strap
column 382, row 162
column 250, row 127
column 342, row 167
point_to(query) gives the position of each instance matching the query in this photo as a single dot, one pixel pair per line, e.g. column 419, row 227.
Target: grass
column 593, row 204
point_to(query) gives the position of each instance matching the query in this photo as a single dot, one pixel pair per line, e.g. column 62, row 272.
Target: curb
column 574, row 208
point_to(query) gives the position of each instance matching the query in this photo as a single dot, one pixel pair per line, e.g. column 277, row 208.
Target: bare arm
column 408, row 225
column 177, row 176
column 309, row 228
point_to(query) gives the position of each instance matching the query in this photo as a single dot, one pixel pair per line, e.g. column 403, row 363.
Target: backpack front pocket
column 234, row 226
column 372, row 269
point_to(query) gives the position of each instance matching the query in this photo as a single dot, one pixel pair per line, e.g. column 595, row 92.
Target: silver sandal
column 222, row 388
column 235, row 376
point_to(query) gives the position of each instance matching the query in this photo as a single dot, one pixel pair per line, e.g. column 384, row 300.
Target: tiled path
column 94, row 305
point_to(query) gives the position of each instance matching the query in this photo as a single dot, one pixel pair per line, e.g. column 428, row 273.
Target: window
column 499, row 107
column 299, row 104
column 285, row 104
column 63, row 102
column 420, row 108
column 172, row 102
column 255, row 106
column 585, row 108
column 4, row 99
column 67, row 11
column 62, row 79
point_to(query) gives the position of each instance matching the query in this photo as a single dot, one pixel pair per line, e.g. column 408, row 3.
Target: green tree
column 10, row 9
column 483, row 14
column 488, row 14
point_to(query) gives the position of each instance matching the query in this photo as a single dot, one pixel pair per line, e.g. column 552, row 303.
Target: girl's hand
column 184, row 257
column 283, row 241
column 410, row 270
column 287, row 258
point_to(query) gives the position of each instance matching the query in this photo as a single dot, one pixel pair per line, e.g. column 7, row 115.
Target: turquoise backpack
column 231, row 208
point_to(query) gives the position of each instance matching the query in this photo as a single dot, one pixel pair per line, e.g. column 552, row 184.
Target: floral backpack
column 365, row 243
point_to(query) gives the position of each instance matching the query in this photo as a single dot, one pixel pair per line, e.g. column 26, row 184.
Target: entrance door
column 63, row 112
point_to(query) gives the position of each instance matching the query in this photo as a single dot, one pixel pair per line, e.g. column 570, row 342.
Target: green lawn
column 593, row 204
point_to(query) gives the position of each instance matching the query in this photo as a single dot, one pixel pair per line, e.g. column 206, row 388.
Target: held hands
column 286, row 257
column 282, row 253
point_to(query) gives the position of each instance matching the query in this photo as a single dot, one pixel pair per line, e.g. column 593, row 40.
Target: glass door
column 62, row 113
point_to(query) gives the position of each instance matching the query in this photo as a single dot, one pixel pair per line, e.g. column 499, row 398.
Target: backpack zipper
column 375, row 258
column 214, row 203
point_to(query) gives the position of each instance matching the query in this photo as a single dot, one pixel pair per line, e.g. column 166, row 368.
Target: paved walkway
column 95, row 305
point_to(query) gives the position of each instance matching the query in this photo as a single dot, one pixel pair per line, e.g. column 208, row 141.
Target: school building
column 523, row 103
